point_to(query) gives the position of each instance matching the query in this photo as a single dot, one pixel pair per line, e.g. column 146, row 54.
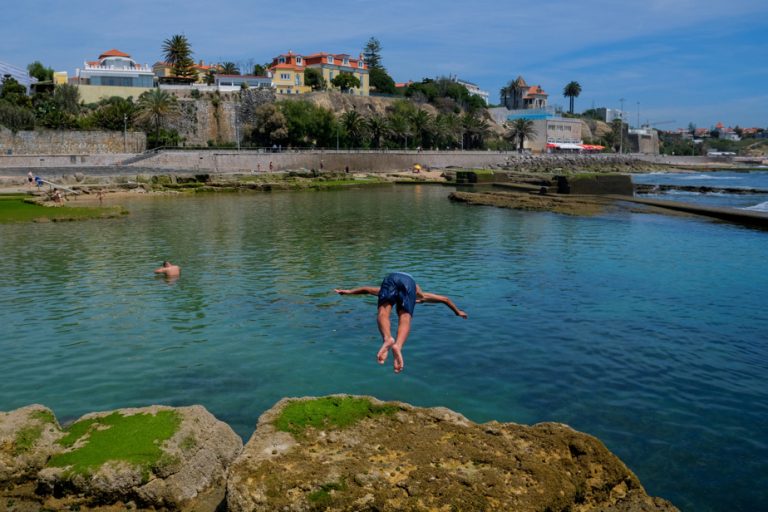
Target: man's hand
column 341, row 292
column 461, row 314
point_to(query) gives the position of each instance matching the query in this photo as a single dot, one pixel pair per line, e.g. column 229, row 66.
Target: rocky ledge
column 336, row 453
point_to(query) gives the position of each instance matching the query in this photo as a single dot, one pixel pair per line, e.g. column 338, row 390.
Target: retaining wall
column 66, row 142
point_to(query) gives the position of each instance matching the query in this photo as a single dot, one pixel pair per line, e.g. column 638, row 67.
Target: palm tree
column 399, row 126
column 377, row 127
column 520, row 130
column 423, row 125
column 354, row 124
column 229, row 68
column 572, row 91
column 156, row 106
column 178, row 54
column 475, row 129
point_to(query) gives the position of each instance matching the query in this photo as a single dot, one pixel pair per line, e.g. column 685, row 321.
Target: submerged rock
column 358, row 453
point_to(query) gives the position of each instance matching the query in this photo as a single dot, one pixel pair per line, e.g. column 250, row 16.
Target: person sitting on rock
column 398, row 289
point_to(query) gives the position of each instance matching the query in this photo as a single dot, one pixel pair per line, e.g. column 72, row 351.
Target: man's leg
column 385, row 328
column 403, row 329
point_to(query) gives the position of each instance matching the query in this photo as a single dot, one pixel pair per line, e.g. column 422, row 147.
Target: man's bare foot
column 384, row 350
column 398, row 359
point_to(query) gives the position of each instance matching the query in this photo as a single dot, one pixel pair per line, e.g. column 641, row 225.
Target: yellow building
column 288, row 71
column 288, row 74
column 60, row 78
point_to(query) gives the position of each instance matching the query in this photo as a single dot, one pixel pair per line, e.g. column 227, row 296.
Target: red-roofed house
column 115, row 73
column 288, row 71
column 521, row 96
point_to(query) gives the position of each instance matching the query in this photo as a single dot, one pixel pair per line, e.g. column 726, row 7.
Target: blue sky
column 699, row 61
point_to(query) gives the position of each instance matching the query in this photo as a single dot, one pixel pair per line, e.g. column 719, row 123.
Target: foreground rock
column 157, row 457
column 357, row 453
column 27, row 440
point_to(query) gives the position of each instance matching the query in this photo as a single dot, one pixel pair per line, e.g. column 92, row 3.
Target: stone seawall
column 66, row 142
column 381, row 161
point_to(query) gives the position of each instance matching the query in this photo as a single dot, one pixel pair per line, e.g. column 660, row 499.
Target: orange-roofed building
column 521, row 96
column 288, row 71
column 115, row 73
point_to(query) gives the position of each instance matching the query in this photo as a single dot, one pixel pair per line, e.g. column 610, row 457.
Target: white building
column 474, row 90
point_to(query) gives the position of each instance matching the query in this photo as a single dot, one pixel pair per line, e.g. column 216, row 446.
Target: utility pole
column 125, row 133
column 638, row 115
column 237, row 128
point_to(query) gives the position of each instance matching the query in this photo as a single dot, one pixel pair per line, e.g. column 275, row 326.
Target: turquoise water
column 756, row 180
column 646, row 331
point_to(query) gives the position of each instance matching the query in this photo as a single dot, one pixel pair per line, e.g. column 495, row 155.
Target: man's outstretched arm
column 441, row 299
column 370, row 290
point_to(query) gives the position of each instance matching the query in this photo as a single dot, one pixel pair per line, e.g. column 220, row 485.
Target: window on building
column 298, row 61
column 281, row 60
column 285, row 76
column 360, row 64
column 330, row 60
column 345, row 62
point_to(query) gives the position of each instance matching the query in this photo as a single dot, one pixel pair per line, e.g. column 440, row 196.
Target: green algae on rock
column 135, row 439
column 20, row 208
column 429, row 459
column 327, row 412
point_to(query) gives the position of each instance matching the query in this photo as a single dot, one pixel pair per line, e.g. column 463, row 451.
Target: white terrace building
column 114, row 74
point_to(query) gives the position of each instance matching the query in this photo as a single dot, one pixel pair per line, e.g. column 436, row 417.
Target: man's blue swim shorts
column 398, row 289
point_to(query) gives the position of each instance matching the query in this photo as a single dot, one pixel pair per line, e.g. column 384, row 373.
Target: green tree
column 372, row 54
column 178, row 54
column 475, row 130
column 308, row 124
column 423, row 128
column 156, row 107
column 260, row 69
column 521, row 130
column 60, row 109
column 381, row 82
column 345, row 81
column 313, row 78
column 572, row 91
column 14, row 93
column 269, row 126
column 354, row 125
column 114, row 113
column 15, row 117
column 229, row 68
column 42, row 73
column 377, row 129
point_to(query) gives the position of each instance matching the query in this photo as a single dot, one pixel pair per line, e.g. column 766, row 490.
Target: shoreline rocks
column 332, row 453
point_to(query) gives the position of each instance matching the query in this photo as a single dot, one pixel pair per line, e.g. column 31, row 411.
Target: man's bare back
column 169, row 269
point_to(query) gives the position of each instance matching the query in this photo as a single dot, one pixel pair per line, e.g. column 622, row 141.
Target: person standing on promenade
column 169, row 269
column 398, row 289
column 30, row 179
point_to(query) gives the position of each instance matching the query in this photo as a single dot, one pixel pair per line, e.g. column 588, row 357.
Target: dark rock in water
column 596, row 184
column 307, row 455
column 642, row 188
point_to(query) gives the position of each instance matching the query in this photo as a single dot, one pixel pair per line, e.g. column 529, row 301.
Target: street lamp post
column 237, row 127
column 621, row 130
column 125, row 133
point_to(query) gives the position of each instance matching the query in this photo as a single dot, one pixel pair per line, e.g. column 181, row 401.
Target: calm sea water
column 646, row 331
column 756, row 180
